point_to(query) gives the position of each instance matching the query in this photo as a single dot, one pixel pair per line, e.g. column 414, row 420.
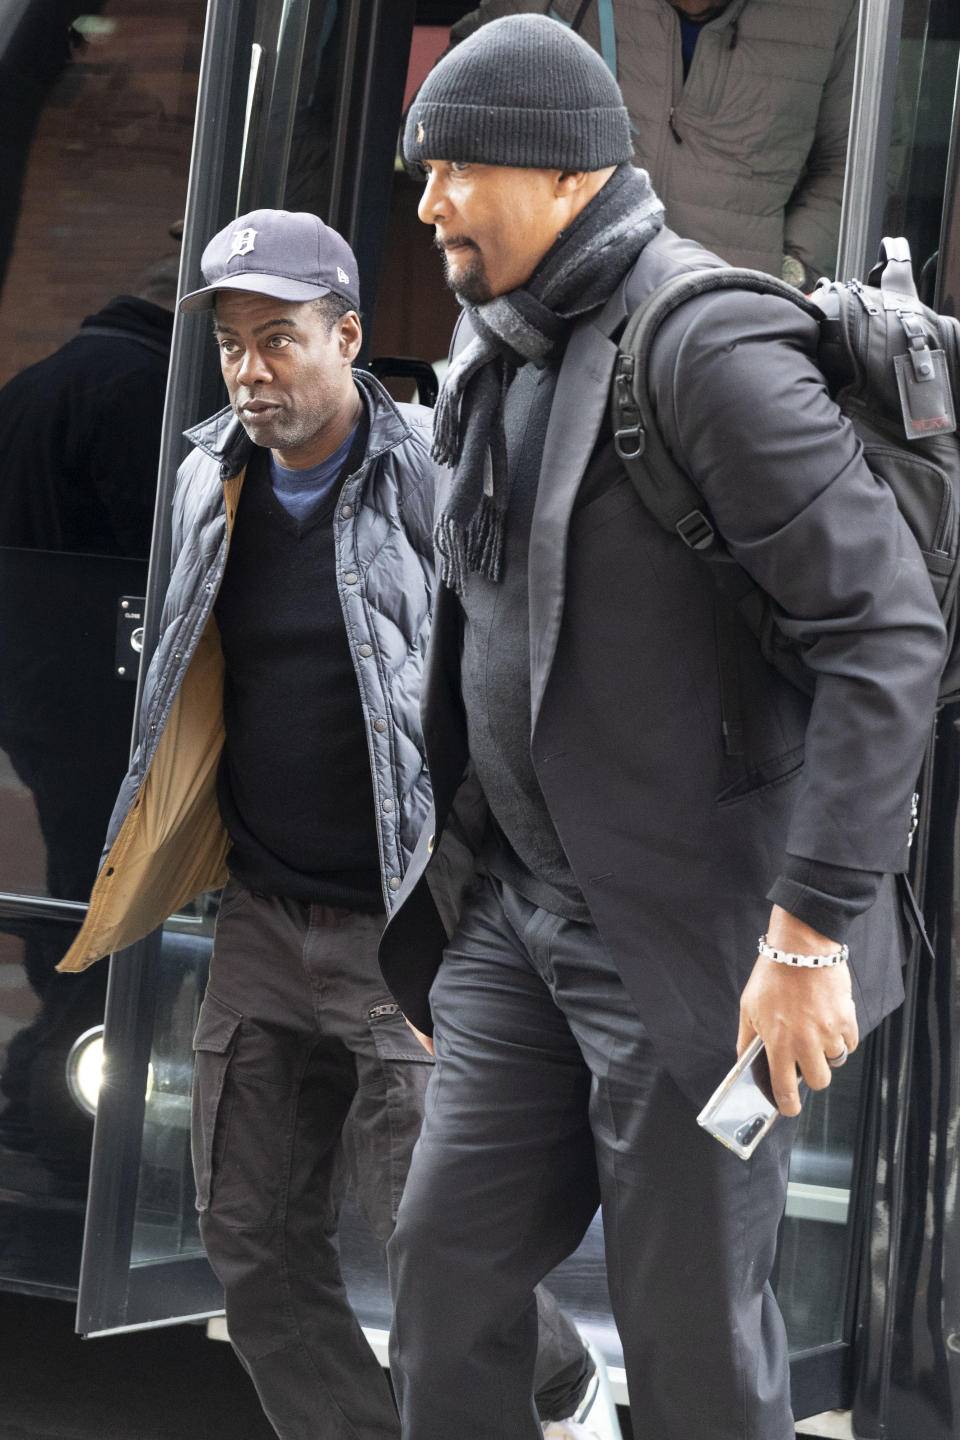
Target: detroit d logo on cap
column 241, row 242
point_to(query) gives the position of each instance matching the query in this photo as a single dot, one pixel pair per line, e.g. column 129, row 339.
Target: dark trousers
column 306, row 1075
column 547, row 1100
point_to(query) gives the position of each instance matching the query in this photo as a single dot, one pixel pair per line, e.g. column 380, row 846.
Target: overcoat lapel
column 578, row 407
column 441, row 711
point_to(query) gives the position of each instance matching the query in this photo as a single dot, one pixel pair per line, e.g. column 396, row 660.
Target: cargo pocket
column 233, row 897
column 405, row 1069
column 213, row 1045
column 392, row 1036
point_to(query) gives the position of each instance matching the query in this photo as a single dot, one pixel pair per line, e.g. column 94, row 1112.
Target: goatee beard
column 471, row 285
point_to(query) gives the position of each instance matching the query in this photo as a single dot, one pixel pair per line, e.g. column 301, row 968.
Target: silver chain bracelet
column 808, row 962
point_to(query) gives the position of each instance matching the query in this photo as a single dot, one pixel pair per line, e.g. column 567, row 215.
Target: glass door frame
column 227, row 167
column 907, row 1360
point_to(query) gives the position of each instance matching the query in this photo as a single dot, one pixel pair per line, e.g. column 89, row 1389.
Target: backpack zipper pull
column 856, row 287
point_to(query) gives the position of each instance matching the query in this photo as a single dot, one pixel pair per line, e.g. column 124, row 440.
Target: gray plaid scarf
column 531, row 323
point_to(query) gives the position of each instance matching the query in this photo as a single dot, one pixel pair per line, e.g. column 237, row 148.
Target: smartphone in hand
column 742, row 1109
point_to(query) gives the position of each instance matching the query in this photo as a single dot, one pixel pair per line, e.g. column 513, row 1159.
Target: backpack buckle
column 630, row 441
column 696, row 531
column 629, row 436
column 919, row 351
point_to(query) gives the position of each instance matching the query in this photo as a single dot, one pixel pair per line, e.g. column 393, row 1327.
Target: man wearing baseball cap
column 280, row 752
column 605, row 968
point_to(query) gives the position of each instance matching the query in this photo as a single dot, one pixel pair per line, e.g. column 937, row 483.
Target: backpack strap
column 670, row 495
column 893, row 272
column 668, row 492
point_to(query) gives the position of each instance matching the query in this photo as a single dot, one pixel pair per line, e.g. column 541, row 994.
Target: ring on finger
column 835, row 1061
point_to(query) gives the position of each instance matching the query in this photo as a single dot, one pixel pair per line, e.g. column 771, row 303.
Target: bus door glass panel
column 286, row 159
column 829, row 1199
column 307, row 117
column 813, row 1266
column 165, row 1225
column 920, row 142
column 94, row 153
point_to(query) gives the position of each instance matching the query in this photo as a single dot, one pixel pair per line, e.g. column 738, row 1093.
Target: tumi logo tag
column 930, row 424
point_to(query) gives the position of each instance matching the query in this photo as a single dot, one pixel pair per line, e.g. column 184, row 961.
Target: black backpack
column 893, row 366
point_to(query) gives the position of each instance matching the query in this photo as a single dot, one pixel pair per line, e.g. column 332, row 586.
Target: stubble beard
column 283, row 432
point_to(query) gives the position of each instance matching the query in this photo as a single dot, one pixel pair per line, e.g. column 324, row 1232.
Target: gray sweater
column 522, row 846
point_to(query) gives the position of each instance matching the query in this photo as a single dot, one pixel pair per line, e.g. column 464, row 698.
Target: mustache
column 452, row 240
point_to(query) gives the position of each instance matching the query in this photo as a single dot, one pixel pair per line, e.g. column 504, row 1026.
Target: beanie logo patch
column 241, row 242
column 420, row 133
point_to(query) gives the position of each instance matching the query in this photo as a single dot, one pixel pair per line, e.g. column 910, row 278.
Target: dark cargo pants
column 547, row 1100
column 307, row 1074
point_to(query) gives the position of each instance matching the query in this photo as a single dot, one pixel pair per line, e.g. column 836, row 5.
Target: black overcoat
column 675, row 843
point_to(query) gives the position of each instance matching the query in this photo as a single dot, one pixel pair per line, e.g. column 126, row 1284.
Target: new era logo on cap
column 289, row 254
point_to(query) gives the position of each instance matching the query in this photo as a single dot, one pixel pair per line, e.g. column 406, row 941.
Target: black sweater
column 294, row 787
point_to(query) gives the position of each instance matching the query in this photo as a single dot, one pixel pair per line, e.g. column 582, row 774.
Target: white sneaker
column 595, row 1417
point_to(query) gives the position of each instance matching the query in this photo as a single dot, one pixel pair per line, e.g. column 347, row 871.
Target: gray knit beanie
column 522, row 91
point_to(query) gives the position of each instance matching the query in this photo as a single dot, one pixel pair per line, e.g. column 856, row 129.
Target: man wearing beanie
column 280, row 751
column 578, row 926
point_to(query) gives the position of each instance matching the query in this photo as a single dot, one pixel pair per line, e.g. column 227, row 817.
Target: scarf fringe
column 477, row 546
column 485, row 533
column 449, row 543
column 446, row 420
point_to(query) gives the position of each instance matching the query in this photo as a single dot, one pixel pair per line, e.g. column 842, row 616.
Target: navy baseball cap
column 288, row 254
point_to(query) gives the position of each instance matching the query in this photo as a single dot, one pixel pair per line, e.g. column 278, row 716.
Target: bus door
column 300, row 105
column 905, row 1316
column 298, row 108
column 98, row 113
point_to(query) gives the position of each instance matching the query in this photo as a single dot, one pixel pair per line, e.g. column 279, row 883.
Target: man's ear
column 578, row 187
column 568, row 182
column 351, row 335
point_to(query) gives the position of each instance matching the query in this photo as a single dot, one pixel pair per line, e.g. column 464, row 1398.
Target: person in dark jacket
column 280, row 750
column 80, row 432
column 584, row 945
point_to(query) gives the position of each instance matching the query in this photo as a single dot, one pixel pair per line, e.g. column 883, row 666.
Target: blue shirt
column 300, row 491
column 689, row 35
